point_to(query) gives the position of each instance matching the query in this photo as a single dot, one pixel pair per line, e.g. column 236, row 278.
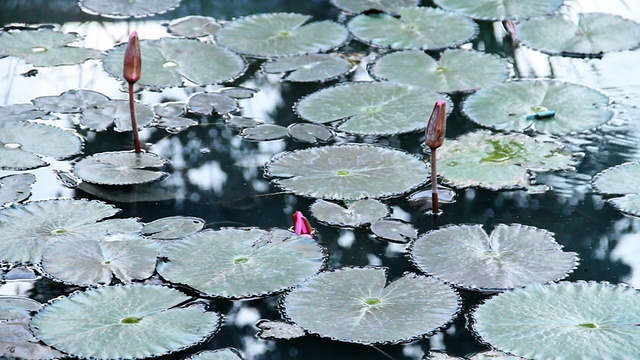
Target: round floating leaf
column 193, row 26
column 494, row 355
column 115, row 112
column 370, row 108
column 423, row 199
column 21, row 143
column 547, row 106
column 97, row 260
column 310, row 133
column 123, row 322
column 171, row 117
column 512, row 256
column 387, row 6
column 496, row 161
column 278, row 330
column 414, row 28
column 45, row 47
column 450, row 73
column 621, row 180
column 16, row 187
column 280, row 34
column 356, row 305
column 563, row 321
column 70, row 101
column 27, row 229
column 594, row 33
column 169, row 61
column 358, row 213
column 242, row 122
column 173, row 227
column 236, row 263
column 207, row 103
column 120, row 168
column 221, row 354
column 120, row 9
column 347, row 172
column 20, row 112
column 309, row 67
column 394, row 230
column 501, row 9
column 265, row 132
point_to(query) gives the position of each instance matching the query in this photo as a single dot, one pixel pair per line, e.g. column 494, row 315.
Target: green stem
column 134, row 124
column 434, row 182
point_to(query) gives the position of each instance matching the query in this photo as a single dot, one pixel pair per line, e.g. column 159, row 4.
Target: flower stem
column 134, row 124
column 434, row 182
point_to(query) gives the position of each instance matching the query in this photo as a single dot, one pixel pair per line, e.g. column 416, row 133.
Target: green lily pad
column 21, row 112
column 170, row 117
column 98, row 260
column 498, row 161
column 357, row 305
column 394, row 230
column 278, row 330
column 370, row 108
column 309, row 67
column 122, row 9
column 621, row 180
column 242, row 122
column 387, row 6
column 347, row 172
column 207, row 103
column 172, row 227
column 310, row 133
column 521, row 105
column 280, row 34
column 236, row 263
column 171, row 61
column 26, row 230
column 124, row 322
column 566, row 320
column 265, row 132
column 421, row 28
column 100, row 117
column 120, row 168
column 221, row 354
column 500, row 9
column 592, row 33
column 21, row 144
column 358, row 213
column 45, row 47
column 193, row 26
column 451, row 73
column 512, row 256
column 16, row 187
column 71, row 101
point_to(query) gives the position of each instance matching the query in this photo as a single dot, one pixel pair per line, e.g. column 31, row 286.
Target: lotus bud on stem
column 132, row 69
column 301, row 225
column 434, row 138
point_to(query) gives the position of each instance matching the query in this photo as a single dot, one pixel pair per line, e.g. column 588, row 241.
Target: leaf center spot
column 491, row 253
column 441, row 70
column 107, row 262
column 12, row 146
column 240, row 260
column 58, row 231
column 38, row 49
column 589, row 325
column 130, row 320
column 284, row 33
column 372, row 302
column 343, row 173
column 373, row 110
column 539, row 109
column 169, row 64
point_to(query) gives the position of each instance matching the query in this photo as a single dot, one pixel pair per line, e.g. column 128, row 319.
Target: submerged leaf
column 347, row 172
column 45, row 47
column 120, row 168
column 124, row 322
column 500, row 9
column 358, row 213
column 356, row 305
column 621, row 180
column 309, row 67
column 120, row 9
column 278, row 330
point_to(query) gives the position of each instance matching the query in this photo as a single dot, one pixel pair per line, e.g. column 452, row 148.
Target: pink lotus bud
column 301, row 225
column 510, row 27
column 434, row 135
column 132, row 60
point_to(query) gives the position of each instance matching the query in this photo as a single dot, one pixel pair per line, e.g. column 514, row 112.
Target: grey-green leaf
column 193, row 26
column 16, row 187
column 512, row 256
column 221, row 354
column 358, row 213
column 278, row 330
column 115, row 112
column 120, row 168
column 356, row 305
column 124, row 322
column 310, row 133
column 309, row 67
column 121, row 9
column 71, row 101
column 388, row 6
column 347, row 172
column 394, row 230
column 45, row 47
column 621, row 180
column 280, row 34
column 172, row 227
column 265, row 132
column 207, row 103
column 500, row 9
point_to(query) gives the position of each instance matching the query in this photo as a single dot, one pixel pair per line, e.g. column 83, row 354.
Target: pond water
column 218, row 177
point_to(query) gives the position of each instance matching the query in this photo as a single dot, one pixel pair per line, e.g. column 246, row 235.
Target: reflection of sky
column 627, row 249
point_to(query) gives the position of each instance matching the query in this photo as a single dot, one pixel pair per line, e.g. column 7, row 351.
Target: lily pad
column 171, row 61
column 370, row 108
column 16, row 188
column 122, row 9
column 98, row 260
column 120, row 168
column 208, row 103
column 547, row 106
column 414, row 28
column 280, row 34
column 621, row 180
column 394, row 230
column 347, row 172
column 21, row 144
column 356, row 214
column 221, row 354
column 512, row 256
column 100, row 117
column 173, row 227
column 309, row 67
column 45, row 47
column 357, row 305
column 237, row 263
column 194, row 26
column 265, row 132
column 498, row 161
column 278, row 330
column 20, row 112
column 71, row 101
column 387, row 6
column 310, row 133
column 124, row 322
column 25, row 230
column 170, row 117
column 242, row 122
column 451, row 73
column 592, row 33
column 566, row 320
column 500, row 9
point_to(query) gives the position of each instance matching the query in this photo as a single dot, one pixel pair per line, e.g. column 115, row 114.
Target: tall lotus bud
column 301, row 225
column 434, row 135
column 132, row 68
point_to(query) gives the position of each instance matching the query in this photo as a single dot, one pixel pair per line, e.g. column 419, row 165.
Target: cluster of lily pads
column 142, row 285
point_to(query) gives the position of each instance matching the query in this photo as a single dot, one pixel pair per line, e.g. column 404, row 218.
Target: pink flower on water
column 301, row 225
